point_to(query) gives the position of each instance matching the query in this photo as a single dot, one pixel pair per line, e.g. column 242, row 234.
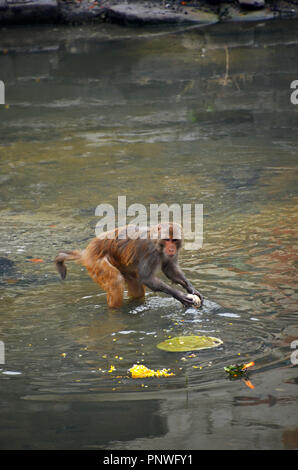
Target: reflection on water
column 201, row 115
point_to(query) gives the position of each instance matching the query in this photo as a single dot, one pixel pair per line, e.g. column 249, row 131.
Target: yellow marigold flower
column 141, row 371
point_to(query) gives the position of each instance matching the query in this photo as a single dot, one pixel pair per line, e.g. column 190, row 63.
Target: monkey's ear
column 61, row 268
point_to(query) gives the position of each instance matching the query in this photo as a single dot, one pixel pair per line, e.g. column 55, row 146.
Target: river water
column 177, row 115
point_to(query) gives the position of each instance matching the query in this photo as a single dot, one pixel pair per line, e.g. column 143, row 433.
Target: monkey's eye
column 174, row 240
column 166, row 239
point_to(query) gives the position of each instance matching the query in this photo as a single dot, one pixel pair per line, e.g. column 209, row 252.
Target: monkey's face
column 169, row 248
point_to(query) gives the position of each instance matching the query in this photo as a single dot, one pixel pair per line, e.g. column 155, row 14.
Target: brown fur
column 115, row 260
column 110, row 263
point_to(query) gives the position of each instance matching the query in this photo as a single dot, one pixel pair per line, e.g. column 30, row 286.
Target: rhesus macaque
column 115, row 259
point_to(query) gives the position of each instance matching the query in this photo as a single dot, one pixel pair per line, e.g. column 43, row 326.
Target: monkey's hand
column 196, row 299
column 188, row 300
column 196, row 292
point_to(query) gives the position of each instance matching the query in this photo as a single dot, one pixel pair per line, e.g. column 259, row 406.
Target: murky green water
column 174, row 116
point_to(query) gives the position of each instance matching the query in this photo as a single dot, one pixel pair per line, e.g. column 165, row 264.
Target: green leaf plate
column 189, row 343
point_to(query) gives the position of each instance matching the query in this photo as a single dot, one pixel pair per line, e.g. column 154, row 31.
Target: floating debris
column 239, row 371
column 35, row 260
column 140, row 372
column 189, row 343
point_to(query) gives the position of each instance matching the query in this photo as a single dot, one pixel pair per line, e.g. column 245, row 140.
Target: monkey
column 129, row 257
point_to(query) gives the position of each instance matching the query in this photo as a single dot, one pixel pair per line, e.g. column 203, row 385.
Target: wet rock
column 228, row 12
column 81, row 12
column 28, row 11
column 49, row 11
column 3, row 4
column 149, row 14
column 251, row 3
column 6, row 266
column 139, row 12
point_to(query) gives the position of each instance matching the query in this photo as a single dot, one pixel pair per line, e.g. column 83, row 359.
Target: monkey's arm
column 157, row 285
column 146, row 270
column 176, row 275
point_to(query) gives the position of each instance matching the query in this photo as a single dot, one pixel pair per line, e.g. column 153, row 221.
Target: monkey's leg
column 111, row 280
column 136, row 290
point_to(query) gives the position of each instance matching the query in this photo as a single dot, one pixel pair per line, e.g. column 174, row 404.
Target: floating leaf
column 189, row 343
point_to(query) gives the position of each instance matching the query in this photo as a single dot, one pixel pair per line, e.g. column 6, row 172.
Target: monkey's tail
column 66, row 256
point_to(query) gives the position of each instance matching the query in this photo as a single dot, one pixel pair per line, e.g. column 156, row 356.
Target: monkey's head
column 169, row 239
